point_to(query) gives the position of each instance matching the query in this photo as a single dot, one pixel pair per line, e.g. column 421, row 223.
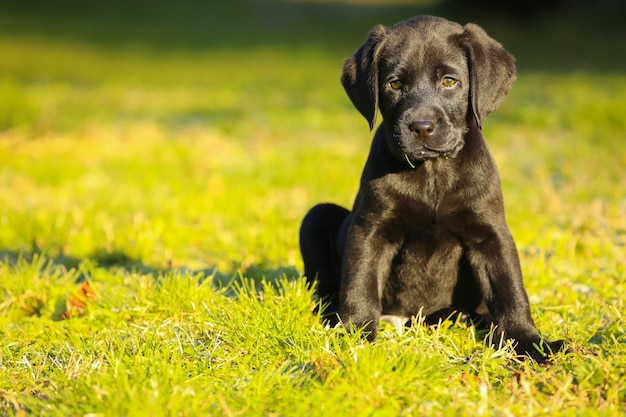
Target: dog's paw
column 541, row 350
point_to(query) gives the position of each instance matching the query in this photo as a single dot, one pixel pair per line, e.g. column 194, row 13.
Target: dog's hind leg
column 318, row 244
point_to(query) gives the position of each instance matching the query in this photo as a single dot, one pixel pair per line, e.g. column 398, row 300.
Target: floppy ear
column 491, row 68
column 360, row 75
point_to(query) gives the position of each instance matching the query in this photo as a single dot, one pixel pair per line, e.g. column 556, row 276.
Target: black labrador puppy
column 427, row 232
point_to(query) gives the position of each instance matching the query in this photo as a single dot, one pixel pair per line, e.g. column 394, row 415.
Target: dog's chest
column 423, row 197
column 423, row 275
column 425, row 268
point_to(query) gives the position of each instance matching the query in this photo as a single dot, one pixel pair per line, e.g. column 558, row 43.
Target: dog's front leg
column 496, row 264
column 366, row 268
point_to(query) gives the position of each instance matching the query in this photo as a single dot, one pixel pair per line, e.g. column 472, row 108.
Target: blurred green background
column 125, row 45
column 198, row 133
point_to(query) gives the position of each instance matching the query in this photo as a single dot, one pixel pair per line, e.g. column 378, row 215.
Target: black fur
column 427, row 231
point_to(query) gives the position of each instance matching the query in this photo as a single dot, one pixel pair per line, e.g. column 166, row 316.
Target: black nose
column 422, row 129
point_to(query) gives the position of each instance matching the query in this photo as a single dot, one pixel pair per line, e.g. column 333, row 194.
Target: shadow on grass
column 121, row 261
column 254, row 278
column 570, row 36
column 197, row 24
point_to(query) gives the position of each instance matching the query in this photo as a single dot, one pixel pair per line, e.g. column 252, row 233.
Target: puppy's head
column 429, row 77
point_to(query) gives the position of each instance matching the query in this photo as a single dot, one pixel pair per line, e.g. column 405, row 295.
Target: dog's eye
column 396, row 84
column 448, row 82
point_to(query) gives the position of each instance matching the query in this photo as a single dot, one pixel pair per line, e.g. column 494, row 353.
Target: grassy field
column 165, row 156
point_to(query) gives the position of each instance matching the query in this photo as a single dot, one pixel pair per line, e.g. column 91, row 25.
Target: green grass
column 167, row 156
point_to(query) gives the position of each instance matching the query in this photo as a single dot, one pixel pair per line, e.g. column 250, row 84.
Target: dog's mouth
column 418, row 136
column 415, row 159
column 412, row 151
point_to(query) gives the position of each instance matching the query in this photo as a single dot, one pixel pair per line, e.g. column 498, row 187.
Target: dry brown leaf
column 77, row 303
